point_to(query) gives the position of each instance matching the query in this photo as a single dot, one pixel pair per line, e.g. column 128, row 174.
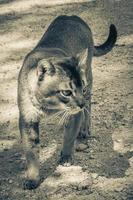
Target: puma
column 56, row 78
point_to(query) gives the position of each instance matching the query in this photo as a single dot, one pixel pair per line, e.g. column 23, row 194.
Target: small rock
column 84, row 185
column 56, row 174
column 91, row 157
column 119, row 189
column 84, row 168
column 10, row 181
column 87, row 150
column 94, row 175
column 81, row 147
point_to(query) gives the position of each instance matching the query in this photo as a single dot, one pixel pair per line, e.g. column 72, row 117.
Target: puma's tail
column 109, row 44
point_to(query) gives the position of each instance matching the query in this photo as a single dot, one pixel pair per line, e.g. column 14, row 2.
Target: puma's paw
column 82, row 140
column 65, row 160
column 30, row 184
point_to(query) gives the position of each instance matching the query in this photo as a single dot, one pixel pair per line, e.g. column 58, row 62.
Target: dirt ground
column 104, row 171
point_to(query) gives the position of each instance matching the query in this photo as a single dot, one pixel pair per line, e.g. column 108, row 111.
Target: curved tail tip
column 113, row 27
column 108, row 44
column 113, row 30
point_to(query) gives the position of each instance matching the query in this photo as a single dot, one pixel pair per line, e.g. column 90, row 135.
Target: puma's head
column 61, row 82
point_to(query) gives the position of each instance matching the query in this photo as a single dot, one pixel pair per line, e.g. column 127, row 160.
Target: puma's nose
column 81, row 103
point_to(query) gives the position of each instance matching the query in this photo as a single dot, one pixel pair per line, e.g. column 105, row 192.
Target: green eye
column 66, row 93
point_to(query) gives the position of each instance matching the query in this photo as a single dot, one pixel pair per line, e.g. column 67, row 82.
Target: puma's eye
column 66, row 93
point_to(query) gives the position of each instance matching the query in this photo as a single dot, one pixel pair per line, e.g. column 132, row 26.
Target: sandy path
column 105, row 170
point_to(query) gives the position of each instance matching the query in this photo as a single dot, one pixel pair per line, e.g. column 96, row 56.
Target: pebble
column 119, row 189
column 91, row 157
column 85, row 168
column 56, row 174
column 84, row 185
column 10, row 181
column 94, row 175
column 81, row 147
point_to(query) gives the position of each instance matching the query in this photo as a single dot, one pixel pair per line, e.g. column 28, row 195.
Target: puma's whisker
column 53, row 117
column 62, row 119
column 66, row 118
column 56, row 115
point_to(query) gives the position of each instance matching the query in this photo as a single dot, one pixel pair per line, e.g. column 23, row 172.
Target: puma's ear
column 45, row 66
column 82, row 57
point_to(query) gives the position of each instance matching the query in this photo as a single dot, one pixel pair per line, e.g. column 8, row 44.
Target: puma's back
column 69, row 33
column 72, row 34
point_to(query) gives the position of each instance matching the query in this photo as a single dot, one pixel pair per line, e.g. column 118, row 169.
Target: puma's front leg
column 30, row 140
column 70, row 133
column 85, row 129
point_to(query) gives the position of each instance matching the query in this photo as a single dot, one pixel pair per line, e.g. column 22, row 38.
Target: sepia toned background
column 105, row 170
